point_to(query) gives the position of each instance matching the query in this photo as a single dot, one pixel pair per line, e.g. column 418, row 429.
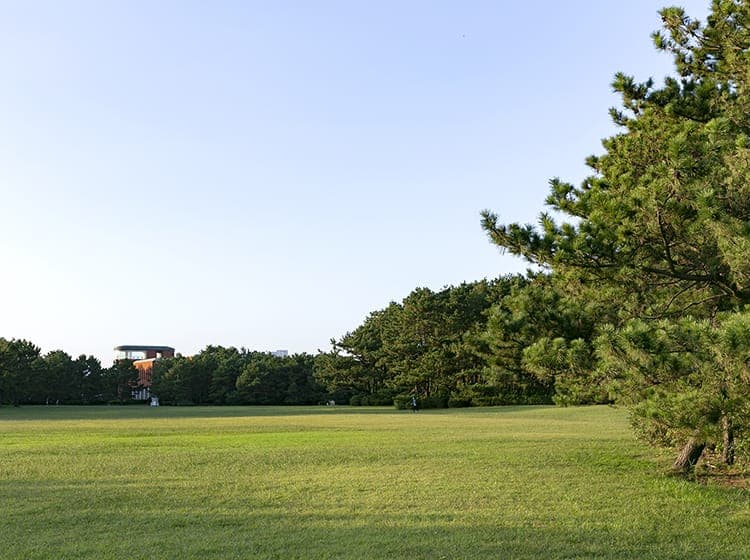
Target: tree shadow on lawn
column 440, row 536
column 106, row 412
column 140, row 527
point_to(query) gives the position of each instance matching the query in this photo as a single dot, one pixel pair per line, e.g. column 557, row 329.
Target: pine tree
column 662, row 228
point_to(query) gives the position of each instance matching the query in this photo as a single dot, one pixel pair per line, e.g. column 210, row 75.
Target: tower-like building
column 143, row 359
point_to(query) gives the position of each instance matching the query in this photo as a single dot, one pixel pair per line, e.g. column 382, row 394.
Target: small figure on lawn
column 414, row 404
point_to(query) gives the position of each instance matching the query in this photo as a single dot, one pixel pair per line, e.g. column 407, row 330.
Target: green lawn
column 239, row 482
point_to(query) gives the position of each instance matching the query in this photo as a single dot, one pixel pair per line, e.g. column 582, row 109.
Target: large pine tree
column 662, row 228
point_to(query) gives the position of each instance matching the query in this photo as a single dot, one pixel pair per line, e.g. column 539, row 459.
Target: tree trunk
column 727, row 450
column 689, row 455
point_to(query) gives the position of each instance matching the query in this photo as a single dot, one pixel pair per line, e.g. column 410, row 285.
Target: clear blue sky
column 265, row 174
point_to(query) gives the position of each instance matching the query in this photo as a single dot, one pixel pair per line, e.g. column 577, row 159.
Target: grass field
column 516, row 482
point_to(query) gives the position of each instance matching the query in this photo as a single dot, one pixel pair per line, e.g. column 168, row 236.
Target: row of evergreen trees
column 216, row 375
column 459, row 346
column 220, row 375
column 28, row 377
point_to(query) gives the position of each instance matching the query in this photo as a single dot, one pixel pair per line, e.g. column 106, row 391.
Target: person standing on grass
column 414, row 404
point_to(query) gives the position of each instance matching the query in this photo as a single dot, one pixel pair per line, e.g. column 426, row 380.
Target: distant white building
column 280, row 353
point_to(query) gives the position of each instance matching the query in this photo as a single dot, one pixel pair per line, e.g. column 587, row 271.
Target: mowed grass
column 515, row 482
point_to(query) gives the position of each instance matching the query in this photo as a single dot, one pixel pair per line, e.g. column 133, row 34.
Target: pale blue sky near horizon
column 265, row 174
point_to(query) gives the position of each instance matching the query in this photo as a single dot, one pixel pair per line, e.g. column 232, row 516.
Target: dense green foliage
column 658, row 242
column 539, row 335
column 461, row 346
column 27, row 377
column 433, row 346
column 219, row 375
column 256, row 482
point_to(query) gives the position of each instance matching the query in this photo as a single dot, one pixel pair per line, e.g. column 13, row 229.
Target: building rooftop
column 132, row 348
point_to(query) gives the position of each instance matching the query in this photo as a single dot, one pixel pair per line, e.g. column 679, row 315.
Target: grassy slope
column 533, row 482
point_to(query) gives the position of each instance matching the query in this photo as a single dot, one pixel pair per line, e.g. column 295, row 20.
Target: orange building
column 143, row 360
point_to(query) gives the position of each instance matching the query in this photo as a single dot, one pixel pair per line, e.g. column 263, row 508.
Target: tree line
column 219, row 375
column 450, row 347
column 216, row 375
column 460, row 346
column 28, row 377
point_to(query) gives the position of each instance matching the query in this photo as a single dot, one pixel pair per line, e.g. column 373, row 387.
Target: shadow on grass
column 195, row 534
column 105, row 412
column 137, row 529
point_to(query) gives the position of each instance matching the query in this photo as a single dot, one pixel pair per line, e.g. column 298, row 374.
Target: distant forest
column 445, row 348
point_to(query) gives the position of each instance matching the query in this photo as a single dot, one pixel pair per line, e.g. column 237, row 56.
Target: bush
column 434, row 401
column 233, row 398
column 402, row 402
column 381, row 398
column 459, row 401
